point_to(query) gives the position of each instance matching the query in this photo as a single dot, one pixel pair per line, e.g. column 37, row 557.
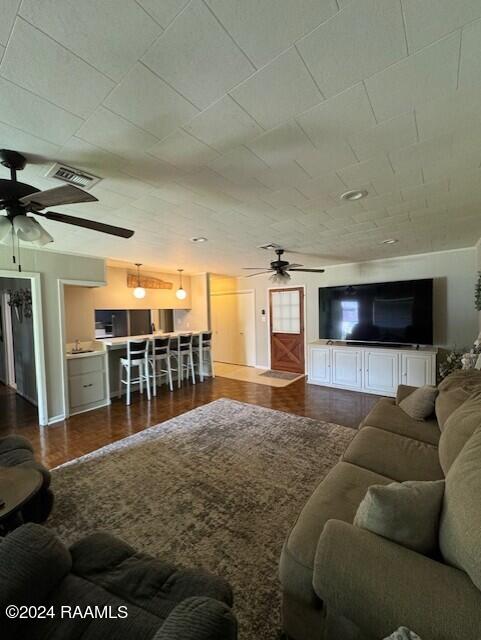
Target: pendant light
column 181, row 293
column 139, row 292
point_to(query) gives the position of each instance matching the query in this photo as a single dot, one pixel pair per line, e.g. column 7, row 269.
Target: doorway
column 17, row 342
column 286, row 327
column 22, row 358
column 233, row 327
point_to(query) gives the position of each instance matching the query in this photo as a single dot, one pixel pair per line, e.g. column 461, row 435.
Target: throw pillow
column 404, row 512
column 420, row 403
column 403, row 633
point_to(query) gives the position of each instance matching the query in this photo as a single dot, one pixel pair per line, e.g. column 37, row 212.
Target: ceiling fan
column 280, row 269
column 18, row 199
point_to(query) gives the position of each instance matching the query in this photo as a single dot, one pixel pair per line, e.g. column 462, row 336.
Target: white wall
column 197, row 317
column 79, row 313
column 456, row 320
column 53, row 266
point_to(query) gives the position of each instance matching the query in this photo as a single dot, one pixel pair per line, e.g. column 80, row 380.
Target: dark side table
column 17, row 486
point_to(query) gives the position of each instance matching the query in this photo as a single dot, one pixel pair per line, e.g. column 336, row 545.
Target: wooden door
column 287, row 329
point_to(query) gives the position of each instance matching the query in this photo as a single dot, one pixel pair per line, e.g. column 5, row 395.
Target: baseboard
column 55, row 419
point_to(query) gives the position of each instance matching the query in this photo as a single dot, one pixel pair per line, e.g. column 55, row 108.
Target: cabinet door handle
column 88, row 385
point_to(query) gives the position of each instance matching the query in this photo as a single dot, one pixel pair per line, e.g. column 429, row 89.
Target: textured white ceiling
column 243, row 121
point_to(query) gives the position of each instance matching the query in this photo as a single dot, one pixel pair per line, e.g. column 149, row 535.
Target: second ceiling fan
column 280, row 269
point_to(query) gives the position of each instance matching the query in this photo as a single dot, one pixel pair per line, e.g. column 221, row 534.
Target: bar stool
column 137, row 352
column 160, row 353
column 181, row 349
column 201, row 346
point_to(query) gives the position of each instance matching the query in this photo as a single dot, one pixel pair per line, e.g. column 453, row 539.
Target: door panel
column 347, row 368
column 287, row 329
column 416, row 369
column 233, row 328
column 320, row 369
column 381, row 372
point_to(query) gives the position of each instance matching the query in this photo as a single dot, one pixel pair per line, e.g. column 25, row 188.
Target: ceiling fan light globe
column 5, row 229
column 27, row 229
column 181, row 294
column 139, row 293
column 45, row 238
column 280, row 278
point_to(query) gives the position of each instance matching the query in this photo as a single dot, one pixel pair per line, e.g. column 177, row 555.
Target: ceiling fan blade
column 67, row 194
column 87, row 224
column 293, row 266
column 253, row 268
column 309, row 270
column 251, row 275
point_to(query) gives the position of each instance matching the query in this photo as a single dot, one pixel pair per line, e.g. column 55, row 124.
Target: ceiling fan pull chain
column 18, row 252
column 14, row 260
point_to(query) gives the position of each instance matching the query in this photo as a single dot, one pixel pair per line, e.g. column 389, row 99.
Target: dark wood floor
column 86, row 432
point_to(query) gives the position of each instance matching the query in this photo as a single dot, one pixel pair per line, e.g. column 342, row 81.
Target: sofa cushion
column 152, row 584
column 459, row 427
column 460, row 529
column 388, row 416
column 337, row 496
column 404, row 512
column 420, row 403
column 394, row 456
column 447, row 402
column 454, row 390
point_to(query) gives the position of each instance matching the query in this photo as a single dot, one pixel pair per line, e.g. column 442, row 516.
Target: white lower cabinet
column 87, row 383
column 370, row 369
column 381, row 372
column 417, row 370
column 347, row 368
column 320, row 365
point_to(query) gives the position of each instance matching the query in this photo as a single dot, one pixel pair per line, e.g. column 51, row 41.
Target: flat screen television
column 384, row 312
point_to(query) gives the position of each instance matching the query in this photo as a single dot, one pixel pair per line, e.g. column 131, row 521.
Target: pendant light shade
column 181, row 293
column 139, row 292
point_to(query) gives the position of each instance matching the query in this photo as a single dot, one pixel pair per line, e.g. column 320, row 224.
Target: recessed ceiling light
column 390, row 241
column 354, row 194
column 199, row 239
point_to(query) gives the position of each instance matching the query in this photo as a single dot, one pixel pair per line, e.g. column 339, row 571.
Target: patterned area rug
column 217, row 487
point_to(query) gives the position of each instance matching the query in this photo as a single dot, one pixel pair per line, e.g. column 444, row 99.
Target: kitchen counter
column 121, row 342
column 89, row 349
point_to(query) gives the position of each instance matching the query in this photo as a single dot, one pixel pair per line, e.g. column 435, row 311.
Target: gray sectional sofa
column 341, row 582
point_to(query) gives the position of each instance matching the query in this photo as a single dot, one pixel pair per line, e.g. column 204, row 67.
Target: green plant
column 477, row 293
column 453, row 362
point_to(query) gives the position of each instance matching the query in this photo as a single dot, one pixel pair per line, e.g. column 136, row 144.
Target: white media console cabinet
column 370, row 369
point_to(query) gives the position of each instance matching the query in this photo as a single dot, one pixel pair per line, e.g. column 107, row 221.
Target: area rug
column 282, row 375
column 217, row 487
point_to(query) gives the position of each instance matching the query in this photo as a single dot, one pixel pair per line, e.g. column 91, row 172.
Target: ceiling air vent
column 72, row 176
column 270, row 246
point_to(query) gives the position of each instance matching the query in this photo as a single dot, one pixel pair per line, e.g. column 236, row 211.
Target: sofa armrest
column 403, row 391
column 380, row 586
column 199, row 618
column 32, row 563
